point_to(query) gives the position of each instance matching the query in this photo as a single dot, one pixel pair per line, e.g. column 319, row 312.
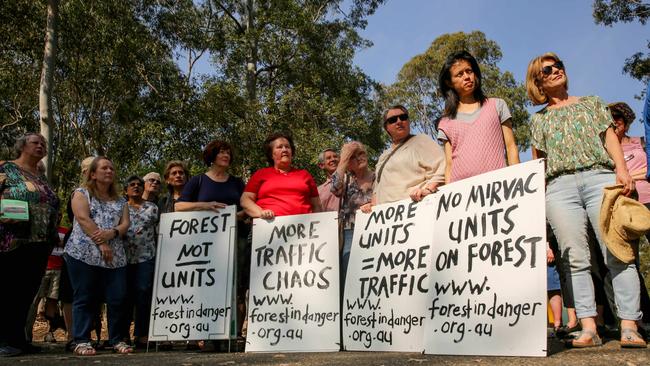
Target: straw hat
column 623, row 221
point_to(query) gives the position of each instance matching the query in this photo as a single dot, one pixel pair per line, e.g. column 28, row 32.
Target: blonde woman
column 577, row 137
column 95, row 256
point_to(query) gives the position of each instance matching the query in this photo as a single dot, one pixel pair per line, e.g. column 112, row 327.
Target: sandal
column 122, row 348
column 84, row 349
column 593, row 340
column 630, row 338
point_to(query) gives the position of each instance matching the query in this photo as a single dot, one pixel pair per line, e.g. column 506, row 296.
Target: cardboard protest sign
column 387, row 280
column 294, row 284
column 487, row 288
column 193, row 285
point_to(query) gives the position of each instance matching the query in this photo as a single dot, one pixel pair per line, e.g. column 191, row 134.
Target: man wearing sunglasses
column 413, row 166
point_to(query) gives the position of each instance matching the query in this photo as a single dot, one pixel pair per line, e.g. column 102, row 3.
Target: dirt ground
column 54, row 354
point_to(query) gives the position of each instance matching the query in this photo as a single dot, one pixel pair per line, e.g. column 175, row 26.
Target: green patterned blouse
column 17, row 184
column 572, row 136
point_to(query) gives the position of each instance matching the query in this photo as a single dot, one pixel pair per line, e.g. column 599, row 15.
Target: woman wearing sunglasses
column 141, row 258
column 475, row 129
column 577, row 137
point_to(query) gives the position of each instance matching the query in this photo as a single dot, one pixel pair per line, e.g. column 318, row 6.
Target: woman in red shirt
column 280, row 189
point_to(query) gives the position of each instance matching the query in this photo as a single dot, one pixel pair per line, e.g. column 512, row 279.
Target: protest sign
column 193, row 285
column 487, row 287
column 294, row 288
column 387, row 279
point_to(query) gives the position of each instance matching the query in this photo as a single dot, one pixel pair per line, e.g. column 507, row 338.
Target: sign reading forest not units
column 294, row 284
column 487, row 290
column 388, row 278
column 193, row 285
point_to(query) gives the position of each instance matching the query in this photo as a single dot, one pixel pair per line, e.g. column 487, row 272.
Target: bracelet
column 117, row 233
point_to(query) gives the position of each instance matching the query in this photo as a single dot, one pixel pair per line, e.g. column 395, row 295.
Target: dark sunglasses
column 548, row 70
column 135, row 184
column 393, row 119
column 152, row 181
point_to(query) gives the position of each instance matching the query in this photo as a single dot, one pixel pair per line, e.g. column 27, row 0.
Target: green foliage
column 119, row 90
column 417, row 83
column 608, row 12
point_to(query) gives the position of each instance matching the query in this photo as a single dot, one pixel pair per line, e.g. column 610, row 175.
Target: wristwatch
column 117, row 233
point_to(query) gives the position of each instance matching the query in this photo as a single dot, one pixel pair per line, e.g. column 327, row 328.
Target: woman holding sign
column 26, row 240
column 212, row 191
column 476, row 130
column 577, row 137
column 95, row 256
column 280, row 189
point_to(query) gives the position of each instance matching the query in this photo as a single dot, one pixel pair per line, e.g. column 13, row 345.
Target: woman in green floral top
column 24, row 245
column 577, row 137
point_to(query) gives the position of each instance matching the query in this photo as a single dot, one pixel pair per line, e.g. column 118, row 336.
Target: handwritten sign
column 192, row 295
column 294, row 287
column 487, row 292
column 388, row 278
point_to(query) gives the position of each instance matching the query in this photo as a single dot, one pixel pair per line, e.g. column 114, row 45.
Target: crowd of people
column 108, row 255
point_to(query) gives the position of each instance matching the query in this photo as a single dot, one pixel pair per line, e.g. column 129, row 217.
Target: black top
column 201, row 188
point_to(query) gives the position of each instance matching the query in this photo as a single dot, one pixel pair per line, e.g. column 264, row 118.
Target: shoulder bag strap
column 381, row 168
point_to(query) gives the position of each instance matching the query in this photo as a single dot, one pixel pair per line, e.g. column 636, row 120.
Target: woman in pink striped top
column 476, row 130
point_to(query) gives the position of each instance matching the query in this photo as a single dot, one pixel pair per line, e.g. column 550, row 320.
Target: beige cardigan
column 420, row 161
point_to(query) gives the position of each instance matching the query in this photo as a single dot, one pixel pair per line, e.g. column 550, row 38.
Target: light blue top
column 106, row 215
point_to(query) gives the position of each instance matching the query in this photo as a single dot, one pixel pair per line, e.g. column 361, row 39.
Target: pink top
column 328, row 200
column 476, row 147
column 635, row 159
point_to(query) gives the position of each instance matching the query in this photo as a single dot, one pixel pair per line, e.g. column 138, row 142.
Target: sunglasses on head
column 393, row 119
column 548, row 70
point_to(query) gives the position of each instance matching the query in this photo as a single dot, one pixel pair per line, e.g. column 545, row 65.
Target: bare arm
column 512, row 152
column 81, row 210
column 252, row 209
column 447, row 162
column 537, row 154
column 613, row 147
column 639, row 174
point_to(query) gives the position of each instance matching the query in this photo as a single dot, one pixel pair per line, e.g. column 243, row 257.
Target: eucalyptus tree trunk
column 47, row 82
column 251, row 65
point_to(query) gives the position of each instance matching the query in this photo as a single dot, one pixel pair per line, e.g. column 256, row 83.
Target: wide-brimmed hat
column 623, row 221
column 624, row 110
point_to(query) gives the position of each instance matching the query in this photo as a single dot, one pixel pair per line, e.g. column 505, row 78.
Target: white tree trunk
column 47, row 82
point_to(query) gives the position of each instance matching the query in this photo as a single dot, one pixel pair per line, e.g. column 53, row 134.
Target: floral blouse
column 571, row 136
column 106, row 215
column 43, row 206
column 141, row 237
column 352, row 197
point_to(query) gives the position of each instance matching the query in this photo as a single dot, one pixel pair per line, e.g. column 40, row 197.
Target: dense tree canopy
column 417, row 82
column 119, row 90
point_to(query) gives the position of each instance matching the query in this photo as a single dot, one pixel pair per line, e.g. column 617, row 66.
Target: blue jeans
column 139, row 290
column 91, row 284
column 572, row 202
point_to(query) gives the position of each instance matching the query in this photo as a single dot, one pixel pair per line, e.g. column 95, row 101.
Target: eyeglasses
column 548, row 70
column 393, row 119
column 135, row 184
column 152, row 181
